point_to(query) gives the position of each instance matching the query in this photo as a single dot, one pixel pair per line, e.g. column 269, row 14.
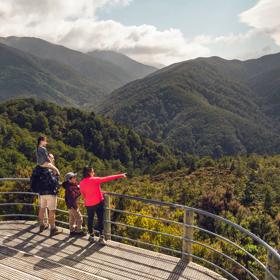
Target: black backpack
column 42, row 181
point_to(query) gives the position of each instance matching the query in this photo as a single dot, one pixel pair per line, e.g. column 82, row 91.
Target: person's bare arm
column 110, row 178
column 50, row 166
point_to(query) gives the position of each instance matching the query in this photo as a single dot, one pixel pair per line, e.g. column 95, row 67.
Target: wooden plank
column 115, row 261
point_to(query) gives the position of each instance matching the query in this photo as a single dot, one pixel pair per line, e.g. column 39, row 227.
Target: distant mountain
column 103, row 73
column 205, row 106
column 138, row 70
column 24, row 75
column 264, row 79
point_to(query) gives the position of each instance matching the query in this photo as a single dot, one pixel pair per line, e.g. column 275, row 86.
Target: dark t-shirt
column 42, row 155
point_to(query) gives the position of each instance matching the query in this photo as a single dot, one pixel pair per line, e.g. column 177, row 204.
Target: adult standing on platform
column 90, row 188
column 44, row 181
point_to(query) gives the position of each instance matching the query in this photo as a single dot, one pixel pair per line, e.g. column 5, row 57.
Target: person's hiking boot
column 102, row 240
column 54, row 231
column 91, row 238
column 43, row 227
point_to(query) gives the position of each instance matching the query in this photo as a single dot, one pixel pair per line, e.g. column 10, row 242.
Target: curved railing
column 270, row 271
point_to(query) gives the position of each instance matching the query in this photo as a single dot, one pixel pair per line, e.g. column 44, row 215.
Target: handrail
column 15, row 179
column 204, row 213
column 211, row 215
column 189, row 240
column 269, row 249
column 176, row 251
column 17, row 203
column 195, row 227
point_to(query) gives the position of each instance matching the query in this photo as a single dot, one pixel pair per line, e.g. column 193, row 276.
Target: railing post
column 107, row 217
column 273, row 266
column 187, row 247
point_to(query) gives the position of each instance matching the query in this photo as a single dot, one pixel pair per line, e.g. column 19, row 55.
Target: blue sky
column 192, row 17
column 156, row 32
column 195, row 18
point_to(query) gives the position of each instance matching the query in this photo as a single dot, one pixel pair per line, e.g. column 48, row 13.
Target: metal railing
column 271, row 270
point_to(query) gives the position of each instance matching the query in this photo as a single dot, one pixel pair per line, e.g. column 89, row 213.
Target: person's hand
column 124, row 175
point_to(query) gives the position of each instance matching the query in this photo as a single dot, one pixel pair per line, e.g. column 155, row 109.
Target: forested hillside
column 102, row 70
column 205, row 106
column 77, row 138
column 132, row 67
column 24, row 75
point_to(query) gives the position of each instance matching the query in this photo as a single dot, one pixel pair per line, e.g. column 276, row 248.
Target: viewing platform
column 133, row 250
column 25, row 254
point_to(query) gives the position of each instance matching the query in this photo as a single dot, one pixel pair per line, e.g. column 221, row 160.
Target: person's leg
column 78, row 220
column 52, row 204
column 52, row 218
column 90, row 213
column 71, row 220
column 100, row 217
column 100, row 224
column 41, row 214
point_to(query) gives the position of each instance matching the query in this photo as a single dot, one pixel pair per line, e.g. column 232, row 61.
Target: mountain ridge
column 24, row 75
column 163, row 105
column 139, row 70
column 204, row 106
column 102, row 72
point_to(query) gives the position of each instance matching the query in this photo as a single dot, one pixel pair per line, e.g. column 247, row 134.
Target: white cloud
column 229, row 39
column 264, row 16
column 48, row 19
column 144, row 43
column 74, row 24
column 262, row 38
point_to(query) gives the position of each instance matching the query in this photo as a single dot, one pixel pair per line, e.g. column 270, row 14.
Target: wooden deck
column 27, row 255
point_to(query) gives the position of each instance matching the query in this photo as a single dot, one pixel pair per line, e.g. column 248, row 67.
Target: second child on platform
column 90, row 188
column 72, row 193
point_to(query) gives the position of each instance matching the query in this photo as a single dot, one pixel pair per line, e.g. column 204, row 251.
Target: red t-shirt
column 90, row 188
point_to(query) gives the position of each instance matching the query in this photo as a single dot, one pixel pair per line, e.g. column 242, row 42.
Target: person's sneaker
column 102, row 240
column 54, row 231
column 43, row 227
column 91, row 238
column 72, row 234
column 80, row 233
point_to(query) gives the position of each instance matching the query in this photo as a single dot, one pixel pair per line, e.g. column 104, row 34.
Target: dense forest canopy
column 244, row 189
column 77, row 138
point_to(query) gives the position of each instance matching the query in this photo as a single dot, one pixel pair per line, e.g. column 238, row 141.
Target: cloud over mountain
column 75, row 25
column 264, row 16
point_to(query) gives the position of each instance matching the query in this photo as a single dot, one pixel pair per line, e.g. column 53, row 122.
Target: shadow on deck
column 25, row 254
